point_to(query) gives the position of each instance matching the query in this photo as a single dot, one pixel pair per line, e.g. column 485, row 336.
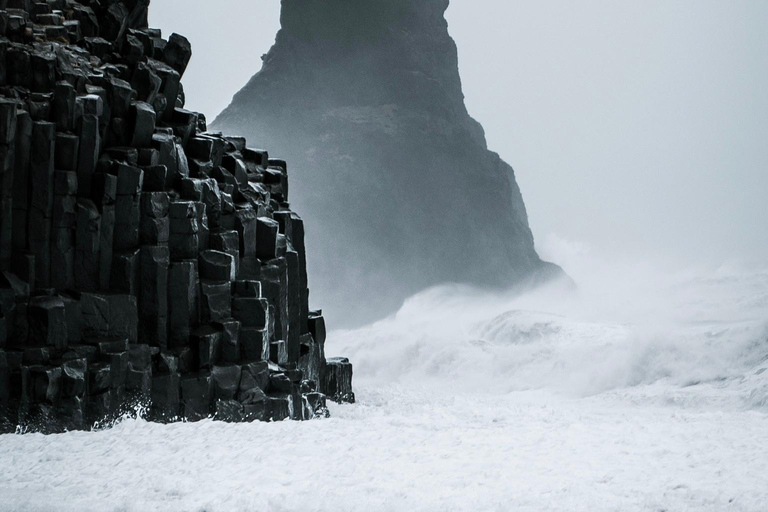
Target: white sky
column 634, row 127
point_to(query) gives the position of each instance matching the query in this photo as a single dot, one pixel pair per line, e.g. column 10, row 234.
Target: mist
column 633, row 129
column 631, row 327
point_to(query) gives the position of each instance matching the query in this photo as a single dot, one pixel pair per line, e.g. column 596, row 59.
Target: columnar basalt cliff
column 143, row 259
column 365, row 97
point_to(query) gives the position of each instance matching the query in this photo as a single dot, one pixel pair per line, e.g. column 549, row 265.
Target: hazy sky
column 634, row 127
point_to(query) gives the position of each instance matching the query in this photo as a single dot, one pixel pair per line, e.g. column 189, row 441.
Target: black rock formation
column 142, row 258
column 399, row 187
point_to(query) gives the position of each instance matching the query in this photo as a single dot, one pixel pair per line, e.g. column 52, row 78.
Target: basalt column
column 143, row 258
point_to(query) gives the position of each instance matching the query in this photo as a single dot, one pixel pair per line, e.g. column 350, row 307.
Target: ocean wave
column 621, row 328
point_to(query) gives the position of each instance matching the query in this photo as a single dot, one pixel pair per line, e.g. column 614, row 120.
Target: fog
column 633, row 128
column 636, row 127
column 629, row 328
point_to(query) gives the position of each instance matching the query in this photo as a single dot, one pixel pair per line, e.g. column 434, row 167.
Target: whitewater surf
column 642, row 393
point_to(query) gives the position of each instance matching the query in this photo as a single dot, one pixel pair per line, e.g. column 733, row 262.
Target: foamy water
column 641, row 390
column 613, row 332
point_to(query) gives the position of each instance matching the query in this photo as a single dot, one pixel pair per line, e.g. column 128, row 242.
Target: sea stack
column 395, row 177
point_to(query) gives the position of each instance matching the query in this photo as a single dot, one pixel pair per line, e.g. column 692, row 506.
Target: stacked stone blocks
column 143, row 260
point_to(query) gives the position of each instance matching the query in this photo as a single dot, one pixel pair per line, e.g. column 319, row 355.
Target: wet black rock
column 196, row 396
column 338, row 379
column 143, row 260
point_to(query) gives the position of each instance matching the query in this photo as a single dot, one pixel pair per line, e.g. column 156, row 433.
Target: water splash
column 627, row 324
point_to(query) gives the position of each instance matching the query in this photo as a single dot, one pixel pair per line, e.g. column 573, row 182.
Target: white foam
column 626, row 324
column 643, row 390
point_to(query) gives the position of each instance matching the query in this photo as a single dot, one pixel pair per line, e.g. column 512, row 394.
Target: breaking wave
column 626, row 325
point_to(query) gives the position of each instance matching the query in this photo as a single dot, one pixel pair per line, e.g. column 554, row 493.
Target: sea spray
column 625, row 324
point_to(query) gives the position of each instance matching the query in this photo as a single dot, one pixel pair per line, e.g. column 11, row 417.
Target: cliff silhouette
column 399, row 188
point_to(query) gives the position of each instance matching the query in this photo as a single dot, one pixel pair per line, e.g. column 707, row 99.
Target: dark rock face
column 143, row 260
column 365, row 97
